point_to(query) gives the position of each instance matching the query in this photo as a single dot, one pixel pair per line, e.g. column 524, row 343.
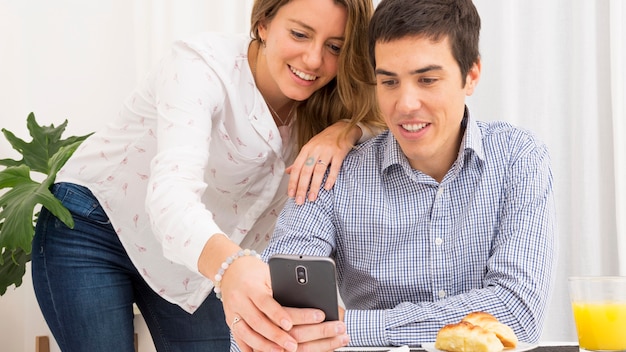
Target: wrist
column 356, row 133
column 215, row 251
column 217, row 279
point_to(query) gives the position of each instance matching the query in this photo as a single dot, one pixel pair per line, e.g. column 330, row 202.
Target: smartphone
column 305, row 282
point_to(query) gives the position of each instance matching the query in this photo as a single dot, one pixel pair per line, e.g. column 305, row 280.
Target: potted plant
column 21, row 196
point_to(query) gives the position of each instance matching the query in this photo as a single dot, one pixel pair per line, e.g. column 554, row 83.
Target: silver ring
column 235, row 321
column 321, row 162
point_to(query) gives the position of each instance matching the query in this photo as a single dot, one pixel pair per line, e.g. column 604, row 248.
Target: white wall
column 71, row 64
column 78, row 60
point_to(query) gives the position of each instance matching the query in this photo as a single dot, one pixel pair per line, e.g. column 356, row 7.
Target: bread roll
column 466, row 337
column 489, row 322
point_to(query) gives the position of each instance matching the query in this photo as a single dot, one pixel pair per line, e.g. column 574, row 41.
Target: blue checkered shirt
column 413, row 254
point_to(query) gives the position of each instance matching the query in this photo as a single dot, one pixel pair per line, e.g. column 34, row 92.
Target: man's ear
column 472, row 78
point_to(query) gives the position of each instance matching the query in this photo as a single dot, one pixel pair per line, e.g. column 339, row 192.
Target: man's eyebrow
column 427, row 68
column 380, row 71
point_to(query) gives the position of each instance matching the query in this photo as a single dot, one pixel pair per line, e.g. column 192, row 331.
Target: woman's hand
column 324, row 151
column 325, row 336
column 252, row 315
column 256, row 320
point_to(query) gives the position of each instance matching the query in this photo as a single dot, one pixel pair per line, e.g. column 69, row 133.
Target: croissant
column 476, row 332
column 489, row 322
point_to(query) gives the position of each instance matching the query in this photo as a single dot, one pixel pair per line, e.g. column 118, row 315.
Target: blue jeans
column 86, row 285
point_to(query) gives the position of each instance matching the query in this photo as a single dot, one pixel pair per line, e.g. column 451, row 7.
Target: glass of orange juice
column 599, row 306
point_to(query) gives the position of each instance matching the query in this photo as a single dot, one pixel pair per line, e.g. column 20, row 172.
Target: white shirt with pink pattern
column 194, row 152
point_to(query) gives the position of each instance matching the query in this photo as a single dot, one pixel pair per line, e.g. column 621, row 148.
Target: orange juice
column 601, row 326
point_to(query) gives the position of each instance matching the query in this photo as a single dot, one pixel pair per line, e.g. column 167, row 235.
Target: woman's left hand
column 324, row 151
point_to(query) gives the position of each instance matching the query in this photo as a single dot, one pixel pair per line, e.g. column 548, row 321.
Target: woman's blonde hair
column 351, row 95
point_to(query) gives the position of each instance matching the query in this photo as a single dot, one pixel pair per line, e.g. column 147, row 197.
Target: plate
column 521, row 346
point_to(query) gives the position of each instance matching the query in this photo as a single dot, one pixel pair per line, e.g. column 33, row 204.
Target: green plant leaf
column 12, row 268
column 46, row 142
column 45, row 154
column 18, row 207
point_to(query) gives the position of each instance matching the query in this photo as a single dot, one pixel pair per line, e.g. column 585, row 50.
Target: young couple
column 439, row 216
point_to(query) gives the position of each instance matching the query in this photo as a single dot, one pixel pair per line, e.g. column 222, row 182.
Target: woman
column 192, row 171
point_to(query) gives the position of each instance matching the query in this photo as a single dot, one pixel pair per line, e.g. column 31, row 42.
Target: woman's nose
column 313, row 57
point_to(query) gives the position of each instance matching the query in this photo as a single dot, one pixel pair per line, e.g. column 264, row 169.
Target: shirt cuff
column 366, row 327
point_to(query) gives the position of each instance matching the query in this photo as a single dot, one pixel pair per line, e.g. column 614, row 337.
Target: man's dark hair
column 434, row 19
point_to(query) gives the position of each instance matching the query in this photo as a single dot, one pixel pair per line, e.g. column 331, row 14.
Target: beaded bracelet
column 218, row 277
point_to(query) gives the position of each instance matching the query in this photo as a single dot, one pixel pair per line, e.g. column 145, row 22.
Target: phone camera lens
column 301, row 274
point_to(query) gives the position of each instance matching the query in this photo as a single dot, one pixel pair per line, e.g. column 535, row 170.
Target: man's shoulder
column 504, row 138
column 370, row 151
column 506, row 131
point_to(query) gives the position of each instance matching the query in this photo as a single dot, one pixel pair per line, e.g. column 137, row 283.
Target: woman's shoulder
column 226, row 54
column 214, row 45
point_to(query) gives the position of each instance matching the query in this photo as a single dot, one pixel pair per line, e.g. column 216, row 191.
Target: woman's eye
column 298, row 35
column 335, row 49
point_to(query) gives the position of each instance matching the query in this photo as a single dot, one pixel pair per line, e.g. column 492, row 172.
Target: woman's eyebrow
column 309, row 28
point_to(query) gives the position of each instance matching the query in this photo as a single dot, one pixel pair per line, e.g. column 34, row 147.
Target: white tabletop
column 406, row 349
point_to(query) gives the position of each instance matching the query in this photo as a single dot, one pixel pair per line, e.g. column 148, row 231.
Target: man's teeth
column 303, row 75
column 414, row 127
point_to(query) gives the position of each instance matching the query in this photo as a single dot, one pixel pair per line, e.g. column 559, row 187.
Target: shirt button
column 439, row 191
column 442, row 294
column 438, row 241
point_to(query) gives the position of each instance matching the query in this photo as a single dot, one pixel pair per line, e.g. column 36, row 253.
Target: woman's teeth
column 303, row 75
column 414, row 127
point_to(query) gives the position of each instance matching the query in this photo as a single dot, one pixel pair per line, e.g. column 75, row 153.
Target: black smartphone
column 305, row 282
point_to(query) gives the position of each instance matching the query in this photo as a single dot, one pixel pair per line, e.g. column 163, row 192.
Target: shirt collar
column 472, row 141
column 472, row 137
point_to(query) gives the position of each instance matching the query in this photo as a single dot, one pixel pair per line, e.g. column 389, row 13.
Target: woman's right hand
column 259, row 323
column 324, row 336
column 256, row 320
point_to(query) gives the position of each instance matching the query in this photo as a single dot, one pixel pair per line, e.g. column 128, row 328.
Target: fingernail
column 291, row 346
column 340, row 329
column 300, row 200
column 291, row 193
column 319, row 316
column 312, row 196
column 285, row 324
column 345, row 340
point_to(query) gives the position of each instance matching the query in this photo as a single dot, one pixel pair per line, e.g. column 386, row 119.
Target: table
column 569, row 348
column 543, row 347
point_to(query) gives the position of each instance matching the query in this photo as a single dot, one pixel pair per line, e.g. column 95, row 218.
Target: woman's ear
column 472, row 78
column 262, row 30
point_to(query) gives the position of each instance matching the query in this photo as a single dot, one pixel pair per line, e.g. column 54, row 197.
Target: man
column 442, row 215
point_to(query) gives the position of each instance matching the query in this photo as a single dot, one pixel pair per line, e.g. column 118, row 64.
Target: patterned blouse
column 193, row 152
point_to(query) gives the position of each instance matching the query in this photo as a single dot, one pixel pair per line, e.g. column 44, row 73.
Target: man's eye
column 388, row 82
column 426, row 80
